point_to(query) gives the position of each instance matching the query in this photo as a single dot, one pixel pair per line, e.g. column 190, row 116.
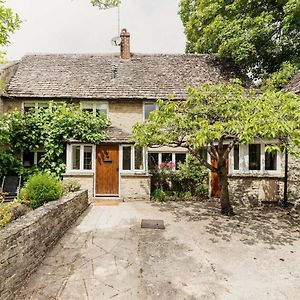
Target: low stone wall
column 25, row 242
column 135, row 187
column 253, row 191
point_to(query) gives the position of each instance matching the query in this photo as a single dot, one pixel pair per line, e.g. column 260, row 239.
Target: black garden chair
column 10, row 187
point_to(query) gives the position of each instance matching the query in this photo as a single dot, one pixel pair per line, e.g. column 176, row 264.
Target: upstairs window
column 148, row 108
column 94, row 107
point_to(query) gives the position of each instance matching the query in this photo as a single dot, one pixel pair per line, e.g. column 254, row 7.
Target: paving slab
column 200, row 255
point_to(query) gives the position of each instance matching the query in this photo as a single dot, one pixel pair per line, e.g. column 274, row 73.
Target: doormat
column 153, row 224
column 105, row 202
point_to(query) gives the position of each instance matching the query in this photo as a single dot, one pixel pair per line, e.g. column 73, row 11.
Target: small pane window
column 28, row 159
column 127, row 158
column 75, row 157
column 254, row 157
column 236, row 157
column 148, row 108
column 271, row 161
column 87, row 158
column 28, row 106
column 138, row 158
column 152, row 161
column 166, row 157
column 43, row 105
column 180, row 158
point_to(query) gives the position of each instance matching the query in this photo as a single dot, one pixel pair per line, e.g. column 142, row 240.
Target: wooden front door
column 107, row 170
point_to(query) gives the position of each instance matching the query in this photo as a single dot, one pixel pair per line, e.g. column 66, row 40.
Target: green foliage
column 8, row 163
column 49, row 129
column 41, row 188
column 278, row 80
column 9, row 23
column 71, row 185
column 192, row 177
column 105, row 4
column 159, row 195
column 214, row 112
column 257, row 35
column 11, row 211
column 190, row 180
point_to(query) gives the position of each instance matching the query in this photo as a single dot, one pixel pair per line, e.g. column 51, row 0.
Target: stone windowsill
column 78, row 174
column 135, row 175
column 256, row 175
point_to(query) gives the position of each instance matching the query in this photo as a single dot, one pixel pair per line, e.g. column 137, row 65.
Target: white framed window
column 132, row 159
column 32, row 158
column 34, row 105
column 94, row 107
column 80, row 157
column 161, row 159
column 253, row 158
column 148, row 107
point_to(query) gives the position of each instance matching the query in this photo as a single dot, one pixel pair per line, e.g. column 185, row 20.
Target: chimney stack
column 125, row 44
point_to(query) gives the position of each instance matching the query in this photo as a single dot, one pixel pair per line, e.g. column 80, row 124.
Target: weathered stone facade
column 86, row 181
column 25, row 242
column 135, row 187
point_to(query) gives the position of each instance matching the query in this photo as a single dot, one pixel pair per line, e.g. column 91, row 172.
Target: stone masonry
column 25, row 242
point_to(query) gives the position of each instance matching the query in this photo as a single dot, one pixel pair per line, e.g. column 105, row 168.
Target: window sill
column 271, row 174
column 135, row 174
column 79, row 173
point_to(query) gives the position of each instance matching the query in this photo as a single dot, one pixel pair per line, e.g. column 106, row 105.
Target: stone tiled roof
column 294, row 84
column 115, row 135
column 109, row 77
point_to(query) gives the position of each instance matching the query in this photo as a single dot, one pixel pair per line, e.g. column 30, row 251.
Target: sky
column 75, row 26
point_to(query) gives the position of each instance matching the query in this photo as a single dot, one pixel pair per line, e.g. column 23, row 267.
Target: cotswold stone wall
column 254, row 190
column 294, row 179
column 135, row 187
column 25, row 242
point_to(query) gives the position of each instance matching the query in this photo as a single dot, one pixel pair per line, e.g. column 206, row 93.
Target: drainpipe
column 285, row 189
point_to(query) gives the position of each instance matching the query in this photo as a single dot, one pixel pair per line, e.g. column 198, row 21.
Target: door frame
column 119, row 175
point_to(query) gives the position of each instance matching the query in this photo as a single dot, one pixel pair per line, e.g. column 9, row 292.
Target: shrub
column 189, row 181
column 71, row 185
column 8, row 163
column 41, row 188
column 159, row 195
column 11, row 211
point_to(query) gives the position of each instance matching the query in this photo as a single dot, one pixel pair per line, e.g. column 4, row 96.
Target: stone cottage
column 125, row 86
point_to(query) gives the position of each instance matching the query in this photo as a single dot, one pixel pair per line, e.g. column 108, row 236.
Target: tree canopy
column 259, row 35
column 213, row 114
column 9, row 22
column 49, row 129
column 105, row 4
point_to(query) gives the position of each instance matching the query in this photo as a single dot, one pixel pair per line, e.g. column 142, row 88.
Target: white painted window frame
column 94, row 105
column 132, row 163
column 244, row 161
column 173, row 157
column 144, row 103
column 69, row 160
column 35, row 157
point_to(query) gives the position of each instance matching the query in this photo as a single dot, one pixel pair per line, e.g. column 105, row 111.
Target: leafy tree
column 49, row 129
column 213, row 114
column 105, row 4
column 9, row 22
column 259, row 35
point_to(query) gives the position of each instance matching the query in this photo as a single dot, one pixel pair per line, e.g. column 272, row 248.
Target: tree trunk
column 226, row 208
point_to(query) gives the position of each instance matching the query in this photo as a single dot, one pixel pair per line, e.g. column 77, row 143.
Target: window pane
column 166, row 157
column 90, row 110
column 152, row 161
column 29, row 106
column 180, row 158
column 138, row 158
column 87, row 158
column 127, row 158
column 271, row 161
column 101, row 111
column 76, row 157
column 148, row 107
column 236, row 157
column 254, row 157
column 43, row 105
column 28, row 159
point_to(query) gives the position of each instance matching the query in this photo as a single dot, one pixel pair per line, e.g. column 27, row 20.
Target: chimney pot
column 125, row 44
